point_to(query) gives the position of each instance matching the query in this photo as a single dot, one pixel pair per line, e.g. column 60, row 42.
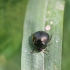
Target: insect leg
column 49, row 44
column 32, row 51
column 46, row 50
column 44, row 53
column 50, row 37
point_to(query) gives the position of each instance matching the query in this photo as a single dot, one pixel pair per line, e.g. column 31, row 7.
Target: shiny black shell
column 40, row 40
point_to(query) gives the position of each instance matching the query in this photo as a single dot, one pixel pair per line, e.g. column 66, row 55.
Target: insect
column 40, row 40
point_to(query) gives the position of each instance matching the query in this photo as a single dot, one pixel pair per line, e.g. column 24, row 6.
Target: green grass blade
column 54, row 18
column 35, row 21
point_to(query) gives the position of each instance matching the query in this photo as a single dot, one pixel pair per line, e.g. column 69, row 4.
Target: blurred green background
column 12, row 13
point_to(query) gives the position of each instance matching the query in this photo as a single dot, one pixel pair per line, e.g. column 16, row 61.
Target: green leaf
column 38, row 14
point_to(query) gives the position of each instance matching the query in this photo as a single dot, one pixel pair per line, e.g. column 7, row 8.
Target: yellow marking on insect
column 32, row 37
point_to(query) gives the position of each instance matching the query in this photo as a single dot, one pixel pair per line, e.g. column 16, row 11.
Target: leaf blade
column 34, row 21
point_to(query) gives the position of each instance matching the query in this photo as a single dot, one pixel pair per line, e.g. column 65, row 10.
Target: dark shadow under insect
column 40, row 40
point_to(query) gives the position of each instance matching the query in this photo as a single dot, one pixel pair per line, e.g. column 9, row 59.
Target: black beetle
column 40, row 40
